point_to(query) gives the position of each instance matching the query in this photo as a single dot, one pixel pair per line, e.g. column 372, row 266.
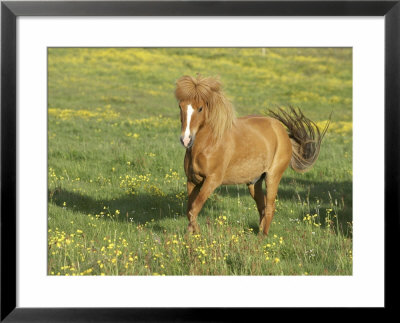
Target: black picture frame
column 10, row 10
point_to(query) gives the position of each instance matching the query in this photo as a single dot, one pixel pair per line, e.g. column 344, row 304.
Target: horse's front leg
column 197, row 197
column 192, row 190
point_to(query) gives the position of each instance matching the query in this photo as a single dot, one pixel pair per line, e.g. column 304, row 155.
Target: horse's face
column 192, row 118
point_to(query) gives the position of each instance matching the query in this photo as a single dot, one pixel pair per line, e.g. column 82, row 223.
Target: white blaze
column 189, row 113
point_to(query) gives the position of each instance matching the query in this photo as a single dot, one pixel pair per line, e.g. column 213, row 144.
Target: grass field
column 116, row 184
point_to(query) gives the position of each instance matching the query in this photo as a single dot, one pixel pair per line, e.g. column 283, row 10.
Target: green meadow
column 116, row 184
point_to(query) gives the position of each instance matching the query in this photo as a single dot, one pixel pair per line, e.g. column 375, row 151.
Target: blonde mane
column 220, row 112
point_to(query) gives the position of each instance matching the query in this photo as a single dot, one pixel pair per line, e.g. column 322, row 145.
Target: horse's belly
column 244, row 173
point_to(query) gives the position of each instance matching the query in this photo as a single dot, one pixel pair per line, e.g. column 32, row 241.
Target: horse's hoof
column 193, row 228
column 262, row 232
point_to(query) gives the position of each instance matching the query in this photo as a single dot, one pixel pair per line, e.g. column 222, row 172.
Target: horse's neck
column 204, row 139
column 204, row 132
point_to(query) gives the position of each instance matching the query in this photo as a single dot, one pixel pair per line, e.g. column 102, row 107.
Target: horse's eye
column 200, row 109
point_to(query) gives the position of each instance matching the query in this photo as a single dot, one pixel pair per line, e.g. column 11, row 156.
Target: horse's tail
column 305, row 136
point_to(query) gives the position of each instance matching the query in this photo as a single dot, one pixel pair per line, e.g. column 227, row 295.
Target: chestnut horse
column 222, row 149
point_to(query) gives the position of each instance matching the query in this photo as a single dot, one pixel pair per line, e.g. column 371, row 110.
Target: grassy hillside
column 116, row 182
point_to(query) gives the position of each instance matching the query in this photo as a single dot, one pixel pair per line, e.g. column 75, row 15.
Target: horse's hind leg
column 271, row 182
column 256, row 192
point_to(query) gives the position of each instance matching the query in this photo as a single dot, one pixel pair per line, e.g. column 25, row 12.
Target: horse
column 222, row 149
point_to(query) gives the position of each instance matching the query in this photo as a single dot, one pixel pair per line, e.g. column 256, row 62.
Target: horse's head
column 201, row 100
column 193, row 116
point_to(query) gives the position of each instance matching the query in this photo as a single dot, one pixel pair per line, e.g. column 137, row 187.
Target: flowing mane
column 220, row 112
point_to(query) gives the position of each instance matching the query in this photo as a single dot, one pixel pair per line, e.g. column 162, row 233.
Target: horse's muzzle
column 187, row 142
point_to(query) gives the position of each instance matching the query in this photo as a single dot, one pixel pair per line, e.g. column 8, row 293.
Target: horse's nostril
column 186, row 141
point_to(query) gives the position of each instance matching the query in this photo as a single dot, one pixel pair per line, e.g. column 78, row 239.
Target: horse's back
column 262, row 127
